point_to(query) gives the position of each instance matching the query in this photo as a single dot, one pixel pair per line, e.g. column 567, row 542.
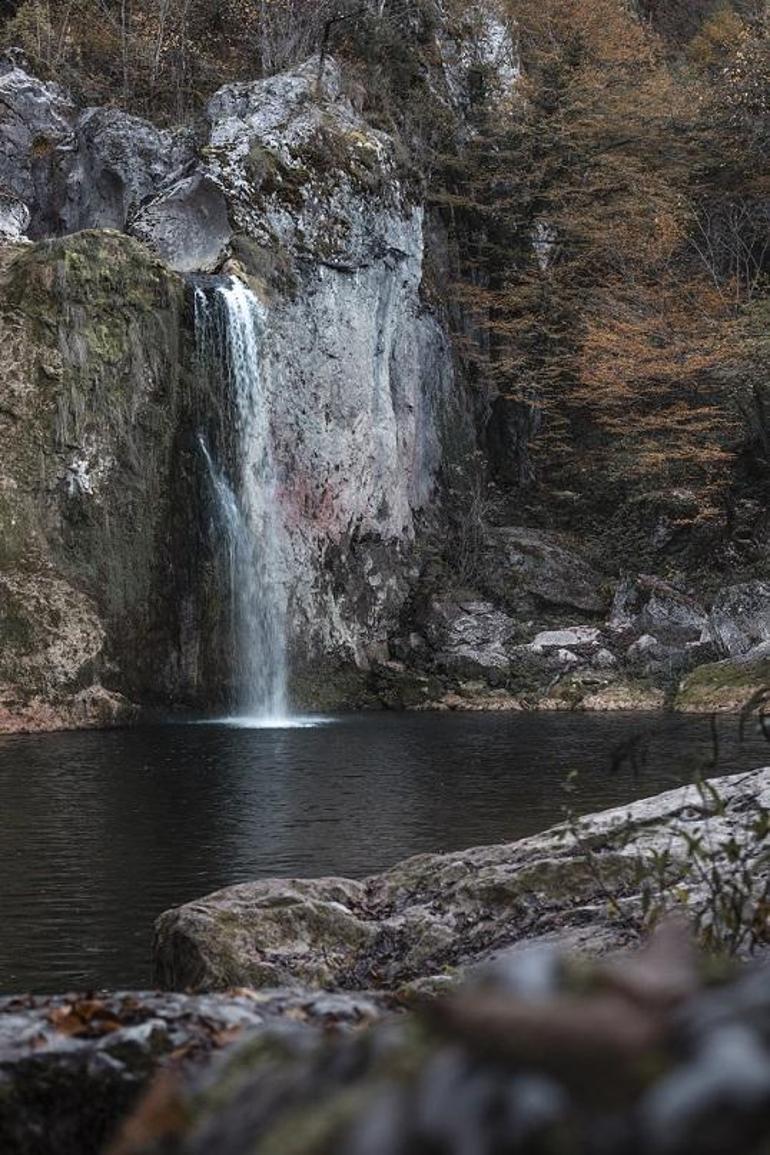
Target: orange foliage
column 622, row 324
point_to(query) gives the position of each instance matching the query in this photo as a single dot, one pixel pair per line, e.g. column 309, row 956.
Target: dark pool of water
column 100, row 832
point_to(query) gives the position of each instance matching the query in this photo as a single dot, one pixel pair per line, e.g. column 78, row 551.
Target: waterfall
column 229, row 324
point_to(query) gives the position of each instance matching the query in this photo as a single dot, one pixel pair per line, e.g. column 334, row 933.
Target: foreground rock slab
column 72, row 1066
column 641, row 1056
column 416, row 924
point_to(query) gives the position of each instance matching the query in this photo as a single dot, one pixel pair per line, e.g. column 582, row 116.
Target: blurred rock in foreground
column 72, row 1066
column 646, row 1055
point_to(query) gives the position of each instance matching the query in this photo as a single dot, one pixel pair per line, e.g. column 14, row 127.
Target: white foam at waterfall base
column 229, row 328
column 293, row 722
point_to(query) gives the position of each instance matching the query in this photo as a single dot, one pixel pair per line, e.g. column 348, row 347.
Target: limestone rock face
column 294, row 192
column 365, row 405
column 435, row 912
column 114, row 163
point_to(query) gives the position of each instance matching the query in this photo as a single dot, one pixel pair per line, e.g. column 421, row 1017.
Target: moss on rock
column 89, row 411
column 722, row 687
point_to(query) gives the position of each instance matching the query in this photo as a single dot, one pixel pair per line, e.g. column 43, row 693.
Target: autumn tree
column 580, row 208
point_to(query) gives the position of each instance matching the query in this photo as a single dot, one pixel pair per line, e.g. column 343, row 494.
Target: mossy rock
column 91, row 404
column 724, row 687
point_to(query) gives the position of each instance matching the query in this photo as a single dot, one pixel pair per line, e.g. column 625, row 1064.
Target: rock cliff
column 293, row 192
column 406, row 588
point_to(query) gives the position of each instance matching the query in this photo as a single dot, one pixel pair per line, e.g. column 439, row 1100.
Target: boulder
column 649, row 606
column 534, row 568
column 740, row 617
column 650, row 657
column 115, row 164
column 536, row 666
column 576, row 637
column 655, row 1053
column 468, row 635
column 555, row 653
column 36, row 118
column 14, row 217
column 293, row 158
column 435, row 913
column 186, row 225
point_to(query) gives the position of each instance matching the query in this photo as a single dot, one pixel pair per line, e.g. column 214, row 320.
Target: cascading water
column 229, row 325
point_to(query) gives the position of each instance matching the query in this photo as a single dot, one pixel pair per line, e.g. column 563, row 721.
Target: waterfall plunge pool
column 101, row 831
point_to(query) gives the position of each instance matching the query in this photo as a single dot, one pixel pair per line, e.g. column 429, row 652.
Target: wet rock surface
column 434, row 914
column 72, row 1066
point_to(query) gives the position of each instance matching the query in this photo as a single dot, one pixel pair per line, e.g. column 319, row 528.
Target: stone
column 616, row 1055
column 650, row 656
column 740, row 618
column 648, row 606
column 529, row 566
column 187, row 225
column 538, row 662
column 434, row 914
column 572, row 636
column 115, row 164
column 604, row 659
column 37, row 118
column 14, row 217
column 469, row 636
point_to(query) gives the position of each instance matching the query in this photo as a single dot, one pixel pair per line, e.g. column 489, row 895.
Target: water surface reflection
column 100, row 832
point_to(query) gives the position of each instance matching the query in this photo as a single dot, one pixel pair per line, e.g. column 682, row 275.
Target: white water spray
column 229, row 326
